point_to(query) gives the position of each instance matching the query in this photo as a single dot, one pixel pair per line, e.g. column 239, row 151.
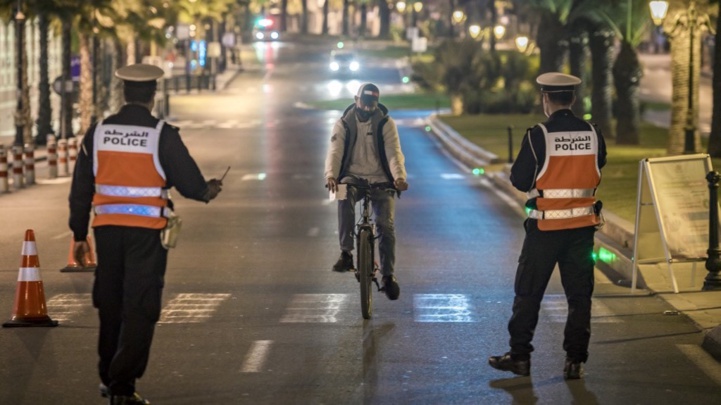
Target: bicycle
column 366, row 268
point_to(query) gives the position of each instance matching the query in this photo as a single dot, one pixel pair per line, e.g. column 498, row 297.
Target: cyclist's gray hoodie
column 386, row 144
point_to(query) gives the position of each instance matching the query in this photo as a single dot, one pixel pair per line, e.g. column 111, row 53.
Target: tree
column 684, row 115
column 628, row 20
column 714, row 140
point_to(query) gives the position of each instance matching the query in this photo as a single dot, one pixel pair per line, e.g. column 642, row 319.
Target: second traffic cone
column 73, row 265
column 30, row 308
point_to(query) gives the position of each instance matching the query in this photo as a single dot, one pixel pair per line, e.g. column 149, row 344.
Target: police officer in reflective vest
column 126, row 165
column 559, row 167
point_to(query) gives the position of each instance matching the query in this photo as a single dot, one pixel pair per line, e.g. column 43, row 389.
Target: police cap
column 140, row 74
column 555, row 82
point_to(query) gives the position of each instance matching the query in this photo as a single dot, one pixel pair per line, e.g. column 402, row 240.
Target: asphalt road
column 252, row 313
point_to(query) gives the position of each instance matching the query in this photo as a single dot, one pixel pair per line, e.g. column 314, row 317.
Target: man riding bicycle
column 365, row 148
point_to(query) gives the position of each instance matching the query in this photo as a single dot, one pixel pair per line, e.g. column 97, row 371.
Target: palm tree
column 9, row 11
column 384, row 14
column 714, row 140
column 628, row 19
column 552, row 38
column 684, row 105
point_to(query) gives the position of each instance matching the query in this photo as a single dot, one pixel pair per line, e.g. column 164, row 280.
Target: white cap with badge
column 139, row 74
column 555, row 82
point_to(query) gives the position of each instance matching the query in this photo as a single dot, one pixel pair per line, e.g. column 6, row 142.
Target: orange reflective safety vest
column 129, row 181
column 566, row 184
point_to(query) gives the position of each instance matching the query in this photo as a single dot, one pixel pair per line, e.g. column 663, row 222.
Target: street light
column 458, row 17
column 689, row 21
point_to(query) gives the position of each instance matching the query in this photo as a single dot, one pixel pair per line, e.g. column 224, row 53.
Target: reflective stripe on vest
column 561, row 214
column 563, row 193
column 129, row 209
column 122, row 191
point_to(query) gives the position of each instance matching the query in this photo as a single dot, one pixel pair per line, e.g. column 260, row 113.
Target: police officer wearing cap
column 365, row 148
column 125, row 168
column 559, row 167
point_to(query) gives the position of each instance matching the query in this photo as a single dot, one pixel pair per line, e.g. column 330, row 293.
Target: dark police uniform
column 127, row 226
column 558, row 166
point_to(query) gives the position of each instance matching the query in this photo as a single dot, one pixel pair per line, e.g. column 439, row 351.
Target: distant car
column 265, row 30
column 344, row 62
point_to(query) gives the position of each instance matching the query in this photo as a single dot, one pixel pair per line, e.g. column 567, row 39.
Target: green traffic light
column 479, row 171
column 406, row 79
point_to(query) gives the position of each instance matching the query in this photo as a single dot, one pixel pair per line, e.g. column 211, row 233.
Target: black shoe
column 134, row 399
column 572, row 370
column 344, row 263
column 506, row 363
column 390, row 287
column 103, row 390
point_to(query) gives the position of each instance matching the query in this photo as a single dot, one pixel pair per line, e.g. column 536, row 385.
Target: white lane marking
column 255, row 359
column 554, row 308
column 63, row 307
column 442, row 308
column 452, row 176
column 314, row 308
column 253, row 176
column 315, row 231
column 58, row 180
column 703, row 360
column 191, row 308
column 63, row 235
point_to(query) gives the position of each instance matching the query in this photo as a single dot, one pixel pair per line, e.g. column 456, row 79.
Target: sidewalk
column 221, row 82
column 702, row 307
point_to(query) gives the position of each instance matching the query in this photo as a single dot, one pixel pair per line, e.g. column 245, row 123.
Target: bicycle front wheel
column 365, row 269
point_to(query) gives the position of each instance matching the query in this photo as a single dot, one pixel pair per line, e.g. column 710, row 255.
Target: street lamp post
column 19, row 116
column 692, row 22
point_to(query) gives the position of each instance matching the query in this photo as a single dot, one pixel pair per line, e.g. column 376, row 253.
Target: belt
column 124, row 191
column 133, row 209
column 561, row 214
column 562, row 193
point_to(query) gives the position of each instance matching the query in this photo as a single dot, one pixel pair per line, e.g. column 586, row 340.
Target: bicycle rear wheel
column 365, row 269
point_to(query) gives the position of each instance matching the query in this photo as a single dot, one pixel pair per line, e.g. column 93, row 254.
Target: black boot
column 344, row 263
column 507, row 363
column 572, row 370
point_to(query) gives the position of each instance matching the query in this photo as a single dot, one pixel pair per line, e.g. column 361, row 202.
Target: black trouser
column 127, row 294
column 572, row 249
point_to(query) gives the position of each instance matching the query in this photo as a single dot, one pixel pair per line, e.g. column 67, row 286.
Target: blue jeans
column 383, row 205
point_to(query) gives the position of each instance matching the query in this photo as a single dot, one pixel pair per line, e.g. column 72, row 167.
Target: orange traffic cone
column 73, row 265
column 29, row 308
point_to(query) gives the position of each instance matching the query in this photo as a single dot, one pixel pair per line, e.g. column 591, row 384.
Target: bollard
column 713, row 263
column 4, row 184
column 72, row 153
column 63, row 157
column 17, row 152
column 52, row 159
column 510, row 144
column 29, row 164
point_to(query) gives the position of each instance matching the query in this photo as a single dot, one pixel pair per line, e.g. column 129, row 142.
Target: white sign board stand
column 672, row 212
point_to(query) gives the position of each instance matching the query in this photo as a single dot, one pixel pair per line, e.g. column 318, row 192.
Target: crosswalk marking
column 255, row 359
column 554, row 307
column 191, row 308
column 63, row 307
column 442, row 308
column 327, row 308
column 314, row 308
